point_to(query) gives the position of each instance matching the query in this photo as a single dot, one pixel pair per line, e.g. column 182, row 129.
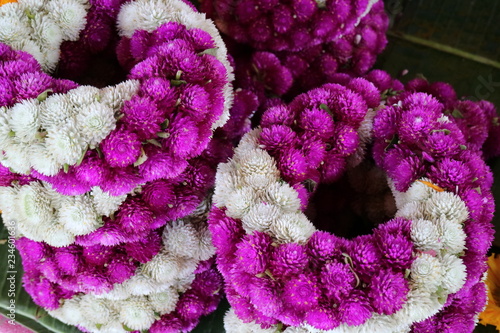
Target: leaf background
column 457, row 41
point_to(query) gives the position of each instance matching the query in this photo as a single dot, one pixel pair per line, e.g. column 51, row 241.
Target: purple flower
column 43, row 292
column 120, row 269
column 278, row 115
column 293, row 165
column 161, row 164
column 265, row 296
column 323, row 246
column 317, row 121
column 190, row 305
column 145, row 249
column 158, row 194
column 355, row 309
column 91, row 282
column 366, row 89
column 276, row 137
column 143, row 117
column 388, row 291
column 337, row 280
column 92, row 170
column 121, row 147
column 7, row 92
column 365, row 255
column 323, row 317
column 49, row 269
column 449, row 173
column 107, row 235
column 68, row 260
column 288, row 259
column 134, row 216
column 253, row 252
column 385, row 123
column 226, row 231
column 30, row 85
column 121, row 181
column 301, row 292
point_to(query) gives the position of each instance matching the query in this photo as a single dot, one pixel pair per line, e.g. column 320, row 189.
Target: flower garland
column 279, row 269
column 287, row 73
column 104, row 288
column 92, row 176
column 91, row 143
column 286, row 25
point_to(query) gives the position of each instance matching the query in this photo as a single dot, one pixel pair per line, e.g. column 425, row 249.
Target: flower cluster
column 417, row 136
column 287, row 72
column 286, row 25
column 412, row 272
column 94, row 176
column 40, row 27
column 112, row 288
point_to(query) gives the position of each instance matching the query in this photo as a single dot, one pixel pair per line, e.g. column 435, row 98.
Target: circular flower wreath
column 90, row 147
column 421, row 270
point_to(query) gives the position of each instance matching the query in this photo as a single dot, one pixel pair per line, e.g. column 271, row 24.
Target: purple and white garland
column 279, row 270
column 92, row 177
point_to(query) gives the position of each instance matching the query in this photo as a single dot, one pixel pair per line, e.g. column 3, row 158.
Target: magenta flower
column 121, row 147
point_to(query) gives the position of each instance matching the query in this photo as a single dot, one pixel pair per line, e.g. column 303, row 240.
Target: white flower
column 98, row 311
column 452, row 236
column 427, row 272
column 69, row 15
column 180, row 238
column 205, row 249
column 413, row 210
column 42, row 160
column 447, row 205
column 56, row 235
column 239, row 203
column 104, row 203
column 454, row 273
column 233, row 324
column 118, row 293
column 115, row 96
column 420, row 305
column 82, row 96
column 24, row 119
column 5, row 138
column 164, row 267
column 226, row 182
column 95, row 122
column 418, row 191
column 249, row 141
column 283, row 196
column 292, row 228
column 260, row 217
column 70, row 312
column 46, row 32
column 78, row 215
column 140, row 284
column 33, row 205
column 257, row 163
column 65, row 144
column 425, row 235
column 164, row 302
column 56, row 111
column 16, row 157
column 11, row 29
column 136, row 313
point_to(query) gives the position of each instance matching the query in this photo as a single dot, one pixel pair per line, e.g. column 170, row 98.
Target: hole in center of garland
column 355, row 204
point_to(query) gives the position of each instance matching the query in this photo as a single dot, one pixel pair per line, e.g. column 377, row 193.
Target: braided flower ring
column 279, row 270
column 90, row 147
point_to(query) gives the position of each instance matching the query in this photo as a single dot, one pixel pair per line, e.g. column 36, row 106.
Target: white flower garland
column 150, row 14
column 39, row 27
column 436, row 231
column 42, row 214
column 49, row 134
column 153, row 290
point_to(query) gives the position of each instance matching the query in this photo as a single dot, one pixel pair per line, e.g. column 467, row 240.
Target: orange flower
column 491, row 315
column 3, row 2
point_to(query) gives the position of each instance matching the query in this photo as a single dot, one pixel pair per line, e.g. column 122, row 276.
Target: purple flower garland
column 329, row 281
